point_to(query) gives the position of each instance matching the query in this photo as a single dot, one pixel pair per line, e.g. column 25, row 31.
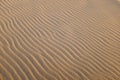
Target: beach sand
column 59, row 40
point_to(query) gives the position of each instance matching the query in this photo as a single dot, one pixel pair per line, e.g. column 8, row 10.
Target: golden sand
column 59, row 40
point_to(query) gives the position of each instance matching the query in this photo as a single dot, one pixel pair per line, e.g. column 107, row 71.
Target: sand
column 59, row 40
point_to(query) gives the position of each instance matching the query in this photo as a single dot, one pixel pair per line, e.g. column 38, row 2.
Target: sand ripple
column 59, row 40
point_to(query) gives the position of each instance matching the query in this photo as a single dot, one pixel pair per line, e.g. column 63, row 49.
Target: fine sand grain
column 59, row 40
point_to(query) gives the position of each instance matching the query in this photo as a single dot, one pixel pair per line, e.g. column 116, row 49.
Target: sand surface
column 59, row 40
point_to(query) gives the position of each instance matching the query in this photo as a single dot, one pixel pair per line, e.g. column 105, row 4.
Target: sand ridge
column 59, row 40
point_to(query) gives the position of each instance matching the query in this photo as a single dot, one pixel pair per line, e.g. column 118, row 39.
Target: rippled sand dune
column 59, row 40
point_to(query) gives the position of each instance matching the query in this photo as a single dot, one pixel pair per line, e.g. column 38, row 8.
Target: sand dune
column 59, row 40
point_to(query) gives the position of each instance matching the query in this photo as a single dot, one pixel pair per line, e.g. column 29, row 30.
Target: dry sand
column 59, row 40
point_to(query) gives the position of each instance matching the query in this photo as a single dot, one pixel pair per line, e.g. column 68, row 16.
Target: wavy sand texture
column 59, row 40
